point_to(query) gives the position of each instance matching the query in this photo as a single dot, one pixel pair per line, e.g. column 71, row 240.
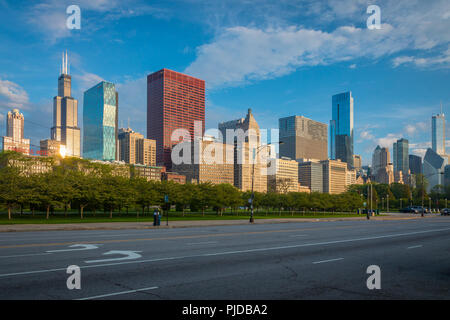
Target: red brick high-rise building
column 174, row 101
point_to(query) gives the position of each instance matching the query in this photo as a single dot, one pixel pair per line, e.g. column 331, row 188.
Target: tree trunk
column 48, row 212
column 81, row 211
column 203, row 212
column 9, row 212
column 183, row 211
column 110, row 213
column 65, row 210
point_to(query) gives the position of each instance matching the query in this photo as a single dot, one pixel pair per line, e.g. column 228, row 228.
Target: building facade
column 303, row 138
column 382, row 169
column 65, row 114
column 150, row 173
column 341, row 128
column 334, row 176
column 135, row 149
column 209, row 161
column 50, row 148
column 100, row 119
column 285, row 177
column 14, row 139
column 434, row 168
column 174, row 101
column 415, row 164
column 438, row 133
column 357, row 162
column 310, row 174
column 245, row 136
column 401, row 156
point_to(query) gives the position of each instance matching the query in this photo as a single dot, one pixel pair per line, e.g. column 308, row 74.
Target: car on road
column 410, row 210
column 445, row 212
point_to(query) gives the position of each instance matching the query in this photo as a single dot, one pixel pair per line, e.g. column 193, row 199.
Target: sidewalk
column 187, row 224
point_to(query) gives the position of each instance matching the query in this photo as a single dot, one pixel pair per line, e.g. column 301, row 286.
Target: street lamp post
column 253, row 178
column 430, row 175
column 387, row 203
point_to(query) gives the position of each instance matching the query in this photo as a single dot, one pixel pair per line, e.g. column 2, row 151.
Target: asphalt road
column 315, row 260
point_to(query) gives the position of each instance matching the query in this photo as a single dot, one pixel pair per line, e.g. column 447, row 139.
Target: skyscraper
column 438, row 133
column 310, row 174
column 14, row 139
column 246, row 146
column 341, row 128
column 401, row 156
column 303, row 138
column 381, row 167
column 434, row 168
column 100, row 119
column 134, row 149
column 415, row 164
column 65, row 114
column 174, row 101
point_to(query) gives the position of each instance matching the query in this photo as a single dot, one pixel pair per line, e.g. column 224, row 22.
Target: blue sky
column 279, row 58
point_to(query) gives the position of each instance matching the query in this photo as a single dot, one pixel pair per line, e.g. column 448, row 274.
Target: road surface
column 314, row 260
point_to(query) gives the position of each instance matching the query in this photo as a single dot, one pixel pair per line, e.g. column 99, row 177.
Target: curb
column 177, row 224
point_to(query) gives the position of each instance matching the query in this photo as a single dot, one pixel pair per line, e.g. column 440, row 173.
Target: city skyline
column 411, row 93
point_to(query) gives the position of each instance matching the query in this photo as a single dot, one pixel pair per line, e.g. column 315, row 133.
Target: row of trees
column 96, row 188
column 402, row 195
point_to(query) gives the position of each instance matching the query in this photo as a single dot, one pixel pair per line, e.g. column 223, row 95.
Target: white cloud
column 49, row 16
column 87, row 80
column 388, row 140
column 12, row 95
column 442, row 60
column 240, row 54
column 366, row 135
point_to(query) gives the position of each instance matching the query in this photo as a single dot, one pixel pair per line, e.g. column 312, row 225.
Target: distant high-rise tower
column 174, row 101
column 415, row 164
column 401, row 156
column 438, row 133
column 341, row 128
column 303, row 138
column 134, row 149
column 100, row 121
column 14, row 139
column 65, row 114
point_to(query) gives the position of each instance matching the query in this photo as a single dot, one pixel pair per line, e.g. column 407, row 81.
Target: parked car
column 410, row 210
column 445, row 212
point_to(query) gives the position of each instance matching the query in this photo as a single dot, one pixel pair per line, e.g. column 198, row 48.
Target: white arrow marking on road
column 81, row 246
column 130, row 255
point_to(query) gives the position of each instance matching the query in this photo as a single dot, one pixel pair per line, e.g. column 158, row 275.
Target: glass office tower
column 100, row 119
column 341, row 128
column 438, row 133
column 401, row 156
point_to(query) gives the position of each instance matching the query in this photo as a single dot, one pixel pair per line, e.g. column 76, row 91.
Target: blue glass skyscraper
column 438, row 133
column 341, row 128
column 100, row 120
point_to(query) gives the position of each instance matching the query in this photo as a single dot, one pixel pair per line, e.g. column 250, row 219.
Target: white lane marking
column 80, row 247
column 129, row 255
column 414, row 247
column 117, row 293
column 194, row 243
column 104, row 235
column 324, row 261
column 231, row 252
column 298, row 235
column 25, row 255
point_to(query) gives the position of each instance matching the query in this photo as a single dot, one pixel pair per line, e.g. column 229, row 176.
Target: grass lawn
column 39, row 218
